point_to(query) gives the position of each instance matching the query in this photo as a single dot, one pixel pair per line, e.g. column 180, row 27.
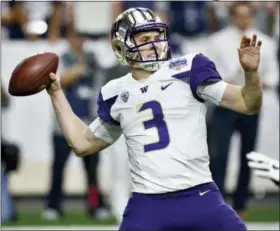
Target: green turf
column 33, row 218
column 264, row 213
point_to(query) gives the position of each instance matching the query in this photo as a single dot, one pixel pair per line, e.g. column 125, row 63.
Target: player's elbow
column 81, row 152
column 253, row 111
column 87, row 144
column 251, row 101
column 254, row 107
column 80, row 148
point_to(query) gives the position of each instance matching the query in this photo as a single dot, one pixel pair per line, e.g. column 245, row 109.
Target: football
column 32, row 74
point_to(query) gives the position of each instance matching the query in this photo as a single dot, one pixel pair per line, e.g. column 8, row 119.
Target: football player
column 264, row 166
column 159, row 107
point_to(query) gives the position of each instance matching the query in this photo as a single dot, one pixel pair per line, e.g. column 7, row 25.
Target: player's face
column 243, row 17
column 76, row 41
column 148, row 51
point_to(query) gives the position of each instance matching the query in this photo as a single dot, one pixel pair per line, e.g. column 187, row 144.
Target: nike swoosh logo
column 166, row 86
column 203, row 193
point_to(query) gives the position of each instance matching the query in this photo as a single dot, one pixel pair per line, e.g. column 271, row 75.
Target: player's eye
column 158, row 37
column 144, row 39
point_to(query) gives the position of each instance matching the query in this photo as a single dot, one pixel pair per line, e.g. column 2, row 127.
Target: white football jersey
column 163, row 121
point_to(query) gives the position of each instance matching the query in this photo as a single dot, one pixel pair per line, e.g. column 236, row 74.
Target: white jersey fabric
column 163, row 121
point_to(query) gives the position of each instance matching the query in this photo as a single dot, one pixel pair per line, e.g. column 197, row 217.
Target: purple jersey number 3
column 157, row 122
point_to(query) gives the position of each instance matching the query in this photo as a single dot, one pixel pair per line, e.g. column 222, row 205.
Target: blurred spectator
column 223, row 50
column 9, row 163
column 79, row 75
column 221, row 9
column 276, row 22
column 190, row 22
column 33, row 20
column 265, row 13
column 276, row 38
column 13, row 19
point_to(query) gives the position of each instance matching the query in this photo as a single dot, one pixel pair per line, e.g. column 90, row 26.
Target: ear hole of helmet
column 118, row 48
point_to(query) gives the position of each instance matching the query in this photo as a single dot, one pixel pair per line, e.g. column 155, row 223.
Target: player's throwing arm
column 77, row 133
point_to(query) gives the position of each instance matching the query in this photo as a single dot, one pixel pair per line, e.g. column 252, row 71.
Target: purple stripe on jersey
column 104, row 108
column 202, row 70
column 184, row 76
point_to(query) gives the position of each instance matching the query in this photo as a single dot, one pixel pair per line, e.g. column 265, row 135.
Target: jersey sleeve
column 105, row 131
column 212, row 92
column 104, row 108
column 203, row 70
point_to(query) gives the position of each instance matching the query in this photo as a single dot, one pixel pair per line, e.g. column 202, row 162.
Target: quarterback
column 159, row 108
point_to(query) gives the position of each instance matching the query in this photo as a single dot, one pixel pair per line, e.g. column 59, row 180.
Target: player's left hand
column 264, row 166
column 249, row 53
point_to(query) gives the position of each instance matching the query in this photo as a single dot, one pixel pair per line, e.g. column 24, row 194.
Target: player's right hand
column 264, row 166
column 55, row 84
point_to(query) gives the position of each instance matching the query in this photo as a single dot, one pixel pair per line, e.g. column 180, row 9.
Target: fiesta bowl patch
column 178, row 64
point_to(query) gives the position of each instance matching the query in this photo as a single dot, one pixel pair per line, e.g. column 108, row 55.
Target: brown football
column 32, row 74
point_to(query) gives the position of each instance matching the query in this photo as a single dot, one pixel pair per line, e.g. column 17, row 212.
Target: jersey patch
column 125, row 96
column 178, row 64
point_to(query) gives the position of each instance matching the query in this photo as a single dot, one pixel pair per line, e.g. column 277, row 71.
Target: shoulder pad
column 113, row 87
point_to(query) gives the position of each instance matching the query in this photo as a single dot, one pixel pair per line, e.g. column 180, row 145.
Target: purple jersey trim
column 202, row 70
column 104, row 108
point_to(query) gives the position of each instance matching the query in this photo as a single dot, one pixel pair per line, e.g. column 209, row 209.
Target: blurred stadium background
column 28, row 121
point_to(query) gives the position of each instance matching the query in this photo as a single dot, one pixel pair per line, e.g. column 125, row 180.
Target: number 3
column 157, row 122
